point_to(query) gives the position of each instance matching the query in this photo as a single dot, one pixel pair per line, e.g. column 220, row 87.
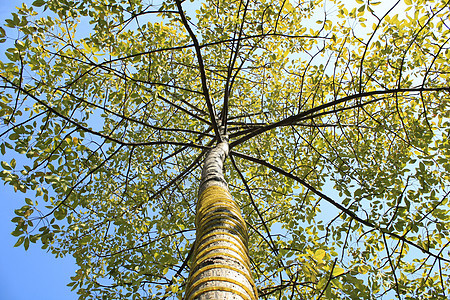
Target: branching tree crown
column 337, row 116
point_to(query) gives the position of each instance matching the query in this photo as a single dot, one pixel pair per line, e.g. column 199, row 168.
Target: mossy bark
column 220, row 267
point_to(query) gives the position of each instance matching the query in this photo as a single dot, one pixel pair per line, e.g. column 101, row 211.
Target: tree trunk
column 220, row 267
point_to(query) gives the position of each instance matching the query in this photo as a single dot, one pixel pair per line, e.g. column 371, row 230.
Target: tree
column 336, row 116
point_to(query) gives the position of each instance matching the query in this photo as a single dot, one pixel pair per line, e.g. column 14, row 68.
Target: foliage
column 338, row 118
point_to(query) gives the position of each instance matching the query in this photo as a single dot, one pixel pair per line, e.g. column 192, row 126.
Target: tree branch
column 336, row 204
column 298, row 117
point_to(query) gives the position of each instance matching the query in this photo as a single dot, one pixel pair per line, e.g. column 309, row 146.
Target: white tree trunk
column 220, row 267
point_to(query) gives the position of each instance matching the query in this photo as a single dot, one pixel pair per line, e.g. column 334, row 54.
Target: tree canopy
column 338, row 120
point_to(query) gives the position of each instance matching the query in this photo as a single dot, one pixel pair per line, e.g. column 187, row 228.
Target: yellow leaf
column 395, row 20
column 363, row 269
column 319, row 255
column 423, row 20
column 338, row 271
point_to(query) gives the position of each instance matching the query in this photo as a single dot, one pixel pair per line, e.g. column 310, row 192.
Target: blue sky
column 33, row 274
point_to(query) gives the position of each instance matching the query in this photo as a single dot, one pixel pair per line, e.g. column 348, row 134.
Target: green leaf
column 13, row 163
column 26, row 243
column 17, row 232
column 38, row 3
column 5, row 165
column 60, row 213
column 2, row 32
column 19, row 241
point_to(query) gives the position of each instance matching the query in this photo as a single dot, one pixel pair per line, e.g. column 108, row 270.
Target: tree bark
column 220, row 267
